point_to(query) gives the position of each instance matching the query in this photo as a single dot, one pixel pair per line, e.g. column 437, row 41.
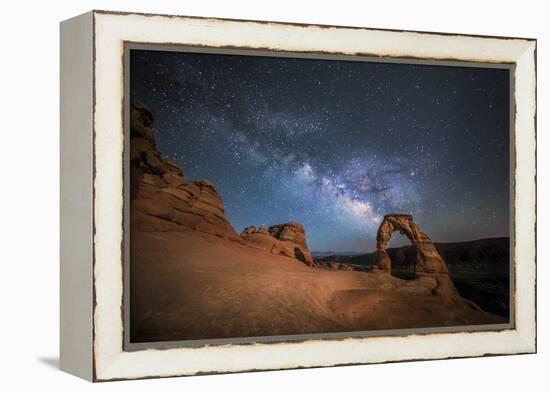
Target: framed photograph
column 246, row 195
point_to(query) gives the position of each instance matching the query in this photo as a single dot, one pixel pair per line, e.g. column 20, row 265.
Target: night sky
column 335, row 145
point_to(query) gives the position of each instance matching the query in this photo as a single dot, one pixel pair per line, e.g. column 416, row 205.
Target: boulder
column 282, row 239
column 249, row 230
column 293, row 232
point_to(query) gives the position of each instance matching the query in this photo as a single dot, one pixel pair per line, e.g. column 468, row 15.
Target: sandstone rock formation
column 428, row 262
column 291, row 232
column 282, row 239
column 249, row 230
column 252, row 285
column 427, row 259
column 162, row 199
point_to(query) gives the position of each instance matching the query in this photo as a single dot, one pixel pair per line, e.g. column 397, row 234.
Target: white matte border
column 112, row 30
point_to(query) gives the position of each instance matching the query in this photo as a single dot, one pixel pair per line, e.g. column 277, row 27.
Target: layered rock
column 162, row 199
column 249, row 230
column 427, row 258
column 293, row 232
column 282, row 239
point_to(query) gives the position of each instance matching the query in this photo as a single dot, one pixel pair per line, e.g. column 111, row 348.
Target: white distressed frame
column 111, row 30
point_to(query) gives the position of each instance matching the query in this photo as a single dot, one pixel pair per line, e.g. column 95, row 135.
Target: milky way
column 336, row 145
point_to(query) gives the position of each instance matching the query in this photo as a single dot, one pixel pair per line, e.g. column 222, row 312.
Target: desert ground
column 192, row 276
column 479, row 269
column 192, row 285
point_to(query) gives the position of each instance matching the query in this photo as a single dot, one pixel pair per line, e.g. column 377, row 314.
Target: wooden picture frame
column 94, row 137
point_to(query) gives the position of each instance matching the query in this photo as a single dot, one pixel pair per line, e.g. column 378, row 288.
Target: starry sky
column 336, row 144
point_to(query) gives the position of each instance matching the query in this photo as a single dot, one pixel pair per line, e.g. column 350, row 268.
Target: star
column 335, row 144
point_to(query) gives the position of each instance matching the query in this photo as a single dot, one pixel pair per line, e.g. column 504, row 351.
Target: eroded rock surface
column 249, row 230
column 163, row 200
column 428, row 262
column 427, row 258
column 293, row 232
column 282, row 239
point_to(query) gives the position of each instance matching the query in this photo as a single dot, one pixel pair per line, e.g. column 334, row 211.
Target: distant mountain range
column 480, row 268
column 320, row 254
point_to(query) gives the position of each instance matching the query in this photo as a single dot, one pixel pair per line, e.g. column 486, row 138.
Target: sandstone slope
column 193, row 277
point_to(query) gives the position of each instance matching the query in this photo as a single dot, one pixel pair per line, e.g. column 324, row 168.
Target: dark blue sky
column 336, row 145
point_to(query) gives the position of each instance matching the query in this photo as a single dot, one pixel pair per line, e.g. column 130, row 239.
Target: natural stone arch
column 427, row 258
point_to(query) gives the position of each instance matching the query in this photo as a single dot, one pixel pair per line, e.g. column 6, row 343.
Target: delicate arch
column 427, row 258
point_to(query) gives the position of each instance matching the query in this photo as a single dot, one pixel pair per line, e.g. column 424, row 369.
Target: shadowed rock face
column 162, row 199
column 292, row 232
column 427, row 258
column 282, row 239
column 249, row 230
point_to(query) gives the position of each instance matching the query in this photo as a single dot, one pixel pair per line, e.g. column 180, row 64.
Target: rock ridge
column 164, row 200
